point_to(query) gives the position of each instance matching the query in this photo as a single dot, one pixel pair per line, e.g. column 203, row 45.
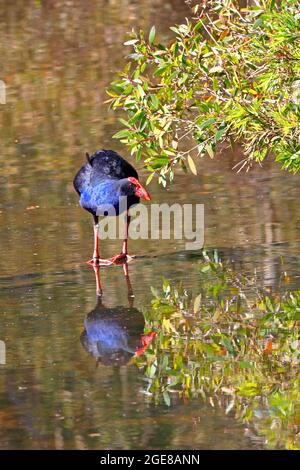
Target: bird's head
column 132, row 187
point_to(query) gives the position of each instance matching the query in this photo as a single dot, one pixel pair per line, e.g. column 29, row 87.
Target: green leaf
column 150, row 178
column 152, row 35
column 121, row 134
column 161, row 70
column 137, row 116
column 204, row 124
column 155, row 101
column 192, row 165
column 175, row 29
column 140, row 91
column 131, row 42
column 209, row 150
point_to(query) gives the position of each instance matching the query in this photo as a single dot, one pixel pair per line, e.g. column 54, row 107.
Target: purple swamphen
column 101, row 182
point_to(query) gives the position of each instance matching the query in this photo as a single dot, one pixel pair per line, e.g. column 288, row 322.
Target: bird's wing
column 82, row 178
column 109, row 164
column 103, row 164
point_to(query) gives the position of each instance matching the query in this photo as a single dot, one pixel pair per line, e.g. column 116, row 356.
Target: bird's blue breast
column 101, row 197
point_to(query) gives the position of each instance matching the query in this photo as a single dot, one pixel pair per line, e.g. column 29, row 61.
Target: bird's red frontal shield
column 140, row 190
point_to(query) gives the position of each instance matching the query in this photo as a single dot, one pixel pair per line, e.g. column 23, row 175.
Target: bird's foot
column 121, row 258
column 99, row 262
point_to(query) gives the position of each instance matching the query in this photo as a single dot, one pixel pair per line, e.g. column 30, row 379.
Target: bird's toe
column 100, row 262
column 121, row 258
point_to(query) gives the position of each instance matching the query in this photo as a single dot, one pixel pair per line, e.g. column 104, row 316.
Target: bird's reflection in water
column 113, row 335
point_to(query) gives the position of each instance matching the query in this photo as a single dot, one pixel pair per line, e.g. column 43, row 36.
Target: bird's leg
column 96, row 243
column 98, row 282
column 96, row 260
column 124, row 256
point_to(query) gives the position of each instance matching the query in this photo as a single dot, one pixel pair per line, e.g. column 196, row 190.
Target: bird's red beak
column 140, row 190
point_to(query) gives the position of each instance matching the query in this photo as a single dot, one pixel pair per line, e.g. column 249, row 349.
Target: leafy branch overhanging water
column 230, row 74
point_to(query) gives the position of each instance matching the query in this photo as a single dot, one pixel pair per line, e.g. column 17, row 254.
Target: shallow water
column 57, row 59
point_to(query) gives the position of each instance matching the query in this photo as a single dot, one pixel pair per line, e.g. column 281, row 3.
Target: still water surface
column 57, row 59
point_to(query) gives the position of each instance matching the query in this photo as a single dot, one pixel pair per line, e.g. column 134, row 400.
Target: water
column 57, row 59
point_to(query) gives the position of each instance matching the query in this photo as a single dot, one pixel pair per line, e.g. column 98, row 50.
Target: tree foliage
column 230, row 74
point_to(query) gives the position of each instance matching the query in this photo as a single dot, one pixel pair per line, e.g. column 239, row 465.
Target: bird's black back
column 103, row 164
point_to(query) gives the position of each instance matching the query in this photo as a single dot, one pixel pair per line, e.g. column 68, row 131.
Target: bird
column 101, row 182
